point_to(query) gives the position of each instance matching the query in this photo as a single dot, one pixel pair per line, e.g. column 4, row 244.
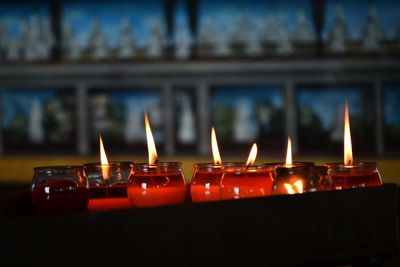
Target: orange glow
column 252, row 156
column 104, row 162
column 214, row 147
column 295, row 188
column 151, row 146
column 289, row 153
column 348, row 152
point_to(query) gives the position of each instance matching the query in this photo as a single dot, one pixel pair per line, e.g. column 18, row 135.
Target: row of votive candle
column 97, row 187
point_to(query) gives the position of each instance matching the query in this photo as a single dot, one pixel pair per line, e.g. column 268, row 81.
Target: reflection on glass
column 242, row 115
column 40, row 118
column 392, row 117
column 321, row 118
column 119, row 116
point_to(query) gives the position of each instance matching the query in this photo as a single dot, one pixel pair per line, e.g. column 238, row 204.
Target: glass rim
column 294, row 164
column 166, row 164
column 58, row 167
column 223, row 164
column 353, row 165
column 243, row 168
column 110, row 164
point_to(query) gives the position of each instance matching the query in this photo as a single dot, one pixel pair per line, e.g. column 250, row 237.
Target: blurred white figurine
column 284, row 45
column 33, row 46
column 157, row 39
column 126, row 44
column 242, row 131
column 35, row 122
column 339, row 33
column 70, row 45
column 372, row 34
column 241, row 29
column 12, row 50
column 186, row 125
column 253, row 46
column 302, row 33
column 134, row 129
column 222, row 45
column 183, row 42
column 207, row 32
column 97, row 42
column 271, row 26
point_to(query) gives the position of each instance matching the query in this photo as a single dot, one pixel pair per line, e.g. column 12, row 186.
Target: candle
column 107, row 183
column 350, row 174
column 156, row 184
column 293, row 178
column 59, row 189
column 245, row 180
column 207, row 176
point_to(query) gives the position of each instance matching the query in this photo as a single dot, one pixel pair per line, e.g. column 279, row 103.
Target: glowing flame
column 295, row 188
column 151, row 146
column 104, row 162
column 289, row 152
column 214, row 147
column 348, row 152
column 252, row 156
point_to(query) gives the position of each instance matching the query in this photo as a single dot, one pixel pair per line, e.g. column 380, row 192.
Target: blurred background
column 256, row 70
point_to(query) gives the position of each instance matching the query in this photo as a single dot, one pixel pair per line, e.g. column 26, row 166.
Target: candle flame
column 252, row 155
column 289, row 152
column 295, row 188
column 348, row 152
column 151, row 146
column 214, row 147
column 104, row 162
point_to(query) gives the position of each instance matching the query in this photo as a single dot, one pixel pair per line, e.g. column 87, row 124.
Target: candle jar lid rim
column 58, row 168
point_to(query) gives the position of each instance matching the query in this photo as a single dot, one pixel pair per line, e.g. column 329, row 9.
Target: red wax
column 246, row 183
column 150, row 190
column 104, row 198
column 205, row 185
column 351, row 180
column 59, row 195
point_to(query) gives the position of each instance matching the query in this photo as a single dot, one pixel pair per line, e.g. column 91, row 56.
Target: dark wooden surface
column 313, row 229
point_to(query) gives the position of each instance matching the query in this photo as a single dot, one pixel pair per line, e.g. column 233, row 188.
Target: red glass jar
column 205, row 182
column 359, row 174
column 151, row 185
column 108, row 193
column 239, row 181
column 58, row 189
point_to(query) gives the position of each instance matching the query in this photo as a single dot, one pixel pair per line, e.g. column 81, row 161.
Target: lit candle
column 156, row 184
column 107, row 183
column 350, row 174
column 246, row 180
column 207, row 176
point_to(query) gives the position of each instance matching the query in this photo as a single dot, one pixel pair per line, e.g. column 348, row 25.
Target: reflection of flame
column 289, row 152
column 151, row 146
column 214, row 147
column 348, row 152
column 295, row 188
column 252, row 156
column 104, row 162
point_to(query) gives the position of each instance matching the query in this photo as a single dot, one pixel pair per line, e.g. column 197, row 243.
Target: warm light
column 295, row 188
column 214, row 147
column 151, row 146
column 289, row 153
column 252, row 156
column 348, row 152
column 103, row 160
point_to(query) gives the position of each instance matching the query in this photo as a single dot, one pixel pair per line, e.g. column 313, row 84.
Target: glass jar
column 57, row 189
column 322, row 181
column 296, row 178
column 360, row 174
column 107, row 185
column 205, row 182
column 160, row 184
column 239, row 181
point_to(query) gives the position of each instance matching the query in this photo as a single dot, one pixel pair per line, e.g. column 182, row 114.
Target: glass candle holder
column 205, row 182
column 239, row 181
column 322, row 181
column 107, row 185
column 294, row 179
column 157, row 184
column 59, row 189
column 359, row 174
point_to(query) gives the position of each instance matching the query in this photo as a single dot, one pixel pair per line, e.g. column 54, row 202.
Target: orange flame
column 151, row 146
column 295, row 188
column 252, row 156
column 348, row 152
column 214, row 147
column 104, row 162
column 289, row 153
